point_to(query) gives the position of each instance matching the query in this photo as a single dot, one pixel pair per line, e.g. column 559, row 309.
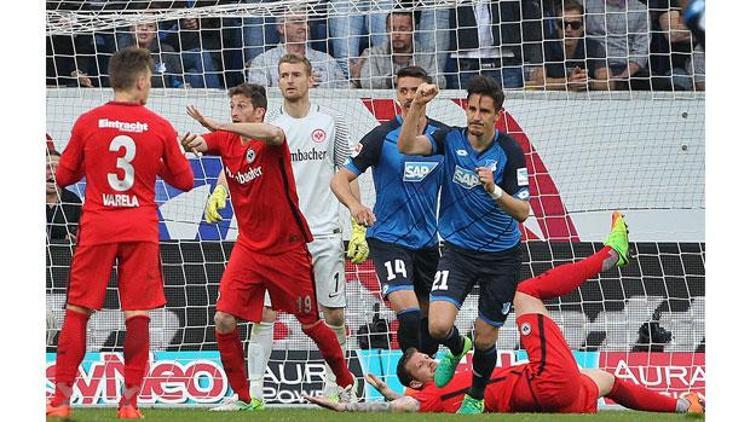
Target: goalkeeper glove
column 358, row 248
column 216, row 201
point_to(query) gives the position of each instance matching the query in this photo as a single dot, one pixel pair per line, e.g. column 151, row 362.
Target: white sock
column 340, row 331
column 258, row 355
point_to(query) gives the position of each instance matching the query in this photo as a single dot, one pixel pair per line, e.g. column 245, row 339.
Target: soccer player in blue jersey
column 403, row 237
column 484, row 196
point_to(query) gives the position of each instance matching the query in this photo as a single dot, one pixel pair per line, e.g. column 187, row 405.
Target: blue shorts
column 401, row 268
column 497, row 274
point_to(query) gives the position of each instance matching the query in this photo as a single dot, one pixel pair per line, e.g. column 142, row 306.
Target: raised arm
column 270, row 134
column 410, row 141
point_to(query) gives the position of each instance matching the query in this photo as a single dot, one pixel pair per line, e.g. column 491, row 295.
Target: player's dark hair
column 126, row 65
column 53, row 153
column 294, row 58
column 570, row 5
column 403, row 375
column 414, row 72
column 255, row 93
column 398, row 13
column 485, row 86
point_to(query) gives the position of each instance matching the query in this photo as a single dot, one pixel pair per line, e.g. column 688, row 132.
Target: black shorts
column 496, row 272
column 401, row 268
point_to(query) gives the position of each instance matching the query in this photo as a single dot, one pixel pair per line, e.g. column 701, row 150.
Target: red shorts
column 288, row 277
column 139, row 269
column 552, row 381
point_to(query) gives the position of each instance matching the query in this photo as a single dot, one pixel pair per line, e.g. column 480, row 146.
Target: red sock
column 562, row 280
column 233, row 359
column 136, row 357
column 71, row 347
column 329, row 347
column 635, row 397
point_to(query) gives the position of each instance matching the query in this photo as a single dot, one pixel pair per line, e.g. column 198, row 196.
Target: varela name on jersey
column 119, row 200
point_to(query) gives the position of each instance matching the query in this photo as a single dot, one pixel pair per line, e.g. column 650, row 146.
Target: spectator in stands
column 572, row 61
column 496, row 38
column 167, row 71
column 349, row 22
column 622, row 26
column 672, row 47
column 264, row 69
column 63, row 206
column 378, row 65
column 191, row 39
column 433, row 32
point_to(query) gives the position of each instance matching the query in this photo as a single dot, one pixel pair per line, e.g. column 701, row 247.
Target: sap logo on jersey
column 416, row 171
column 465, row 178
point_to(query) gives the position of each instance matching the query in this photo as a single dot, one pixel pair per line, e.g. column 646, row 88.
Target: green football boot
column 471, row 406
column 447, row 366
column 618, row 238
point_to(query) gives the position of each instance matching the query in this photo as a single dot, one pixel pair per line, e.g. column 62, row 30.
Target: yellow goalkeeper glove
column 216, row 201
column 358, row 248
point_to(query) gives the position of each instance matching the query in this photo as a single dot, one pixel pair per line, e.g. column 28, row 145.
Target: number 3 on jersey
column 123, row 163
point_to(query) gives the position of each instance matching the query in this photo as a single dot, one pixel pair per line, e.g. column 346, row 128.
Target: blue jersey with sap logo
column 406, row 187
column 469, row 217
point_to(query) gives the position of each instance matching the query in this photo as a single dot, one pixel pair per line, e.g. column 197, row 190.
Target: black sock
column 484, row 363
column 453, row 341
column 408, row 328
column 427, row 344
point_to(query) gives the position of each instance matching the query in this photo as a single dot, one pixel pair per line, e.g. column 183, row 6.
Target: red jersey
column 120, row 148
column 499, row 397
column 264, row 195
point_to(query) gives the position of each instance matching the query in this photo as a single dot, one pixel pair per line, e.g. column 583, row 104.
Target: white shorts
column 328, row 265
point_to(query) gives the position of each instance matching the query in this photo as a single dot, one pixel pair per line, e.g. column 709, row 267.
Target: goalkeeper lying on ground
column 551, row 381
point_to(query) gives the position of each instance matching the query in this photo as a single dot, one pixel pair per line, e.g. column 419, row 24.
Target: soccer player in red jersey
column 270, row 252
column 119, row 147
column 551, row 382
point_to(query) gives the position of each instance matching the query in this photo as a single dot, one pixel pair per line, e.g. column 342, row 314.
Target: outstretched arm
column 400, row 405
column 270, row 134
column 382, row 387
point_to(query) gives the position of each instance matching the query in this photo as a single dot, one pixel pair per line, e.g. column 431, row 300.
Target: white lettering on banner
column 287, row 382
column 120, row 200
column 245, row 177
column 656, row 376
column 133, row 127
column 168, row 381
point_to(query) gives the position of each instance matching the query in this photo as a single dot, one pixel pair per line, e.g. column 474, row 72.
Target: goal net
column 588, row 152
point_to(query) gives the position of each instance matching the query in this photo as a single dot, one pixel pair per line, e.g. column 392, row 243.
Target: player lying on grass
column 551, row 381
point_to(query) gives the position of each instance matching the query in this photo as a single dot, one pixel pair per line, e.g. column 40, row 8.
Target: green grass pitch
column 312, row 415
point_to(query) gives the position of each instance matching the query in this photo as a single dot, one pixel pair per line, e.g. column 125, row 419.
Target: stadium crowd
column 575, row 45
